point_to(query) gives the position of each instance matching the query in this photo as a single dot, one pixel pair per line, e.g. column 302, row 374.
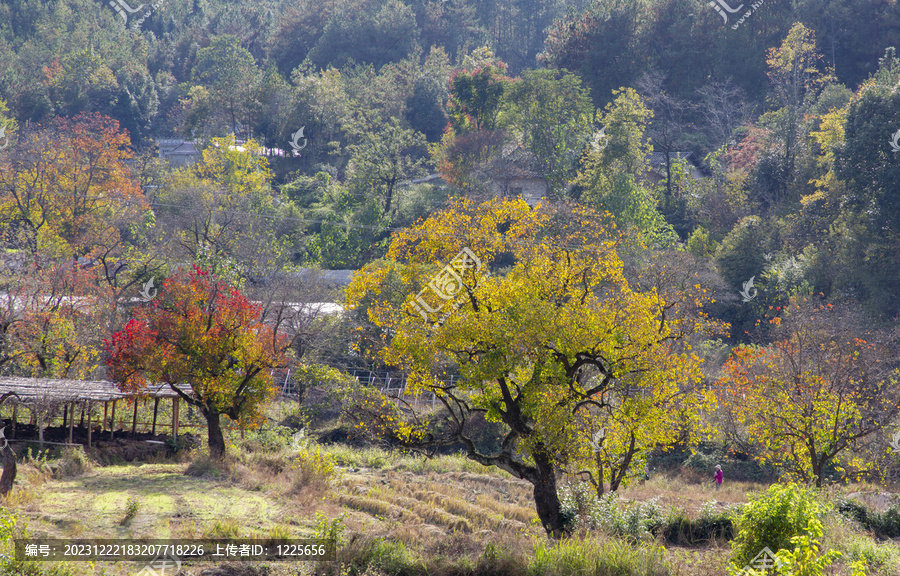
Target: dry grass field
column 394, row 513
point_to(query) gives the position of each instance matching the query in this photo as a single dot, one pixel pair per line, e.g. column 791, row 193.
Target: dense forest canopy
column 761, row 143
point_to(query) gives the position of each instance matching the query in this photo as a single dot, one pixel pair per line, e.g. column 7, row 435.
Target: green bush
column 805, row 559
column 773, row 519
column 269, row 439
column 700, row 244
column 711, row 525
column 10, row 529
column 131, row 509
column 883, row 524
column 314, row 469
column 581, row 508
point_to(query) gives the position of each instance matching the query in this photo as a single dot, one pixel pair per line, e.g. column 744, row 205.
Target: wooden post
column 105, row 412
column 65, row 414
column 155, row 412
column 134, row 420
column 90, row 424
column 71, row 422
column 81, row 424
column 112, row 428
column 39, row 418
column 175, row 418
column 15, row 418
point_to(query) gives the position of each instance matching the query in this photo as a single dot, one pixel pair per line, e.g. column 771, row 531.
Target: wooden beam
column 175, row 418
column 134, row 419
column 105, row 412
column 112, row 427
column 155, row 412
column 90, row 424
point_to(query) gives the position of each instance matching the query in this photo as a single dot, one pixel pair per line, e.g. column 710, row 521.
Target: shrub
column 709, row 526
column 582, row 509
column 329, row 532
column 772, row 520
column 269, row 439
column 72, row 462
column 315, row 469
column 131, row 510
column 805, row 559
column 883, row 524
column 10, row 529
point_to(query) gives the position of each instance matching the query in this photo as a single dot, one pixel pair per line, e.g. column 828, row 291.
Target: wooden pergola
column 39, row 394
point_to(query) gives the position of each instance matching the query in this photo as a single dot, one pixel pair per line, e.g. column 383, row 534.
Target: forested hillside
column 788, row 118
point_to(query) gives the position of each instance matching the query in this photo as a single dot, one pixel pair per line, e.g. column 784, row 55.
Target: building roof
column 176, row 147
column 515, row 163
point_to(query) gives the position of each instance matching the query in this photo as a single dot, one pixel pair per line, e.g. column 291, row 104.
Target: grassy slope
column 444, row 509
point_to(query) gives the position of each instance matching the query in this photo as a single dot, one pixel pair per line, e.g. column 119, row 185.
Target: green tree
column 796, row 78
column 229, row 73
column 613, row 165
column 600, row 44
column 551, row 114
column 382, row 158
column 869, row 175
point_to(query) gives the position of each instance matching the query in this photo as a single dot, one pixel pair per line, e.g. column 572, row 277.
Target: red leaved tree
column 202, row 332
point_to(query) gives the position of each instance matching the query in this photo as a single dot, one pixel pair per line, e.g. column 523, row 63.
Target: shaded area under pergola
column 43, row 395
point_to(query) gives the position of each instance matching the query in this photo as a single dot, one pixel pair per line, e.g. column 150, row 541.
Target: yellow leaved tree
column 810, row 398
column 535, row 316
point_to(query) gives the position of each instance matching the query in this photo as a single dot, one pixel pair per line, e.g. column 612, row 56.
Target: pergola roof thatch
column 33, row 390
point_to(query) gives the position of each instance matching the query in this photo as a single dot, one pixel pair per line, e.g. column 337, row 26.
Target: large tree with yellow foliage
column 554, row 332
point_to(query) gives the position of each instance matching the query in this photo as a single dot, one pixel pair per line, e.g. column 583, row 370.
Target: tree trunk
column 600, row 481
column 216, row 441
column 617, row 475
column 817, row 464
column 546, row 499
column 9, row 470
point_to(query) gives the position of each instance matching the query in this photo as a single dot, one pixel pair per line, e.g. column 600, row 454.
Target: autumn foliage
column 203, row 335
column 553, row 345
column 809, row 398
column 67, row 189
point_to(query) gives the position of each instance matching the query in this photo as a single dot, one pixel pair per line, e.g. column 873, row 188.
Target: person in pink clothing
column 719, row 476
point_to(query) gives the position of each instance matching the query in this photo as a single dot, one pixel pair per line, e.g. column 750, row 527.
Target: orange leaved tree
column 814, row 394
column 202, row 332
column 67, row 189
